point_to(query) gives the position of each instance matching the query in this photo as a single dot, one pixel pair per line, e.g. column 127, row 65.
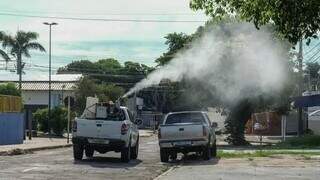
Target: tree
column 3, row 54
column 109, row 65
column 84, row 66
column 175, row 42
column 109, row 92
column 312, row 69
column 20, row 45
column 9, row 89
column 86, row 87
column 295, row 20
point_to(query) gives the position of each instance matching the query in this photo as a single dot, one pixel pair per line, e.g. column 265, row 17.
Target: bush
column 9, row 89
column 58, row 121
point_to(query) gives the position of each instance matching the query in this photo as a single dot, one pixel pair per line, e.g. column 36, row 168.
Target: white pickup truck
column 114, row 131
column 189, row 131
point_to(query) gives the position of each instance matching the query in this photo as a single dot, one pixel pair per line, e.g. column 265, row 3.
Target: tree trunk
column 19, row 70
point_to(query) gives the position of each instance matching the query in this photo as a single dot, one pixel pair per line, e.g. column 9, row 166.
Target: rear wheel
column 89, row 152
column 135, row 150
column 77, row 152
column 125, row 153
column 164, row 156
column 173, row 156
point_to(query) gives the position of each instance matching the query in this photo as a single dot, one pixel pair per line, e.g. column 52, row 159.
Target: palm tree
column 19, row 45
column 3, row 54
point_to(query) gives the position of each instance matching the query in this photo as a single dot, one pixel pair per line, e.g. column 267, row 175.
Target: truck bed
column 181, row 132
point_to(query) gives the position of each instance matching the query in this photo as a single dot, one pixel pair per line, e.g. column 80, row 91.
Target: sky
column 93, row 40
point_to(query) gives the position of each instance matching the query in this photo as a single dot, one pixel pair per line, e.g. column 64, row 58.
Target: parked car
column 184, row 132
column 115, row 130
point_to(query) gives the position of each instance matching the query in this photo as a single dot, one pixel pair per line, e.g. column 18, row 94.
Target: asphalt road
column 59, row 164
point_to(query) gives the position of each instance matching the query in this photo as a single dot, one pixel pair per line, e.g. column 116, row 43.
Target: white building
column 35, row 92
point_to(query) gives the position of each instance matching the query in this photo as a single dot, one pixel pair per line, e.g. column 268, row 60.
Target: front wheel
column 125, row 153
column 78, row 152
column 135, row 150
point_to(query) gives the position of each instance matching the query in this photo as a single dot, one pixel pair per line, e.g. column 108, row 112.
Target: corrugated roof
column 38, row 86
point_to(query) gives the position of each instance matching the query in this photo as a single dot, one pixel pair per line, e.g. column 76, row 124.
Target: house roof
column 59, row 82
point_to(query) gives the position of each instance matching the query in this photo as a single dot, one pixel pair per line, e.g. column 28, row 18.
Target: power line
column 102, row 13
column 102, row 19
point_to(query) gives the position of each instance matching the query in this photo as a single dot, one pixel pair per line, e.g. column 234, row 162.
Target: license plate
column 182, row 143
column 98, row 141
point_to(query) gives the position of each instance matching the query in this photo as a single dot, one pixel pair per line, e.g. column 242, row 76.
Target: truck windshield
column 185, row 118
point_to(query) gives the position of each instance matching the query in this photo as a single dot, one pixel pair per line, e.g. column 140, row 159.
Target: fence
column 10, row 104
column 11, row 120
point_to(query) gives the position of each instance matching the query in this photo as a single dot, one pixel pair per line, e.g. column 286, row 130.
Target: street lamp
column 49, row 103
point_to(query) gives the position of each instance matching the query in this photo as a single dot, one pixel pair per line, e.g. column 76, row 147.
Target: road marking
column 29, row 169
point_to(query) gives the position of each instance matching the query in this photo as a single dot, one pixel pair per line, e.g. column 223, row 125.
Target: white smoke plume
column 231, row 58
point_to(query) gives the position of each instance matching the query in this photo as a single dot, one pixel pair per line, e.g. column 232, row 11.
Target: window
column 185, row 118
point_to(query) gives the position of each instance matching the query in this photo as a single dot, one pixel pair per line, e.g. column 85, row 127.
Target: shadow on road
column 194, row 160
column 107, row 162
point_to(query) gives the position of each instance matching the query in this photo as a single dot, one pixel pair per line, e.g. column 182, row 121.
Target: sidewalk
column 37, row 143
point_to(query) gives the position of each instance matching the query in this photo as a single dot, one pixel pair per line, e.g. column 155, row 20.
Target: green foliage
column 307, row 141
column 9, row 89
column 312, row 69
column 109, row 92
column 86, row 87
column 236, row 121
column 293, row 19
column 106, row 66
column 175, row 42
column 84, row 66
column 58, row 123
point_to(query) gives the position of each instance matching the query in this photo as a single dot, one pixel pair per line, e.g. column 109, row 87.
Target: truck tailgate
column 181, row 131
column 99, row 128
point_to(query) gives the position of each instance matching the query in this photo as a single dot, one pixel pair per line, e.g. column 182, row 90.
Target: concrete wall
column 11, row 128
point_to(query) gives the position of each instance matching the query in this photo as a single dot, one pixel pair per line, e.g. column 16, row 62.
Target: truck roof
column 180, row 112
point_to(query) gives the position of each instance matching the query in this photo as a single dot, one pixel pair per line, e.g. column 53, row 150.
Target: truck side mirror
column 138, row 121
column 214, row 124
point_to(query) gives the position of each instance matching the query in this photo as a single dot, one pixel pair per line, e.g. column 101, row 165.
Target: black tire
column 206, row 153
column 164, row 156
column 135, row 150
column 89, row 152
column 125, row 153
column 78, row 152
column 214, row 149
column 173, row 156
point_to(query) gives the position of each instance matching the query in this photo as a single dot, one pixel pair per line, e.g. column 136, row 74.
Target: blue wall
column 11, row 128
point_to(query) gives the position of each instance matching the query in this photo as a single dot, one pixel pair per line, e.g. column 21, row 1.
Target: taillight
column 124, row 129
column 159, row 133
column 74, row 126
column 204, row 131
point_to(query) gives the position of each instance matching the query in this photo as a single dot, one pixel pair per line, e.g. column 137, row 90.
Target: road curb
column 19, row 151
column 166, row 172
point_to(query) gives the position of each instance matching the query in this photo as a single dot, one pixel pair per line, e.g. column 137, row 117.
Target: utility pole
column 300, row 118
column 49, row 100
